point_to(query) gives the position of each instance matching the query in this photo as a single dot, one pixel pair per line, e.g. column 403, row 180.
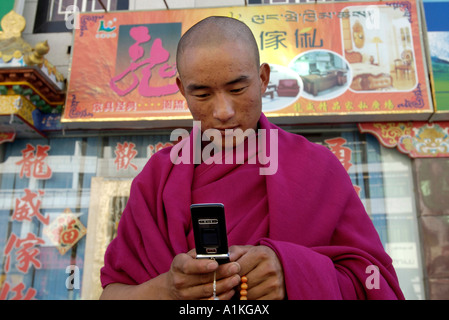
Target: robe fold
column 307, row 211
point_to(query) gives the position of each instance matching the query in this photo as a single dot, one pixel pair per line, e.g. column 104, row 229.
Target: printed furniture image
column 367, row 76
column 315, row 83
column 404, row 65
column 385, row 60
column 288, row 88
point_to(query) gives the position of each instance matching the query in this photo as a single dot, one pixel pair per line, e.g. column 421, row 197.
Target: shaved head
column 217, row 31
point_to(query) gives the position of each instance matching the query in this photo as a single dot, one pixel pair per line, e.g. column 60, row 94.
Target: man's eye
column 201, row 96
column 237, row 90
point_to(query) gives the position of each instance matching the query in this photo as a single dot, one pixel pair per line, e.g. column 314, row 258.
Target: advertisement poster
column 329, row 62
column 438, row 40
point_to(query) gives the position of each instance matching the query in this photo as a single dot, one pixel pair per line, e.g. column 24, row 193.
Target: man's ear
column 264, row 74
column 180, row 86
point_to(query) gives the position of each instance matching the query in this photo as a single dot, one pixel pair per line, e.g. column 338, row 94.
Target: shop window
column 384, row 181
column 70, row 216
column 51, row 15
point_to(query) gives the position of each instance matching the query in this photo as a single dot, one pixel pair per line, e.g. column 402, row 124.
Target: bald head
column 217, row 31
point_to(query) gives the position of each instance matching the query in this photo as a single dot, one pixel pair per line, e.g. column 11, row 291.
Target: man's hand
column 190, row 278
column 263, row 269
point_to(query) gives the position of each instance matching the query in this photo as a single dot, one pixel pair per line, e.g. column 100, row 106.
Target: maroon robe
column 307, row 211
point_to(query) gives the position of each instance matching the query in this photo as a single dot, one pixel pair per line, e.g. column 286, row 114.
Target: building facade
column 63, row 185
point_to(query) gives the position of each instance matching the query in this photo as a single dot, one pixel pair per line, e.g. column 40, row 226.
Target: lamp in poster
column 329, row 62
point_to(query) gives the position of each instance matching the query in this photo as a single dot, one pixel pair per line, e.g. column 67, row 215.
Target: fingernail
column 212, row 266
column 234, row 268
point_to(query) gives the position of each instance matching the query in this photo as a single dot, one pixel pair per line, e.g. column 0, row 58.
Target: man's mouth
column 227, row 130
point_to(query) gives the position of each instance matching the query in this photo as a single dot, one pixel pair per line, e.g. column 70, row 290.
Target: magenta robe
column 308, row 212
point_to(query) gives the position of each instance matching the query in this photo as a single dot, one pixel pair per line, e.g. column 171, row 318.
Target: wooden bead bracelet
column 244, row 288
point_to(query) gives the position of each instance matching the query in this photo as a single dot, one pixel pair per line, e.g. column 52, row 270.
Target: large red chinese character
column 26, row 207
column 344, row 154
column 26, row 255
column 7, row 251
column 158, row 55
column 124, row 154
column 33, row 165
column 27, row 161
column 18, row 290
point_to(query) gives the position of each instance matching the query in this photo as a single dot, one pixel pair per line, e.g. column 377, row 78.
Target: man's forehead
column 196, row 56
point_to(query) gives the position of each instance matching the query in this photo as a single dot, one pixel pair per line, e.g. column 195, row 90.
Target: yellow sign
column 329, row 62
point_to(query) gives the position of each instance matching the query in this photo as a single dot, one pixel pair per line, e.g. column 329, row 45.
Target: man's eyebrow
column 239, row 79
column 193, row 87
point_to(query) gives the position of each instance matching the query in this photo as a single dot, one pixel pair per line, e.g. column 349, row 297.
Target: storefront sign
column 329, row 62
column 416, row 139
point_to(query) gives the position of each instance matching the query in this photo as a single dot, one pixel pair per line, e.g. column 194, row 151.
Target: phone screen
column 209, row 228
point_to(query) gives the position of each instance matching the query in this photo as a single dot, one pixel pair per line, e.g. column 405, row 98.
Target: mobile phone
column 209, row 230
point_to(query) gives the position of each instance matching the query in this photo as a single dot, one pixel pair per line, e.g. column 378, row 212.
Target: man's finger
column 186, row 264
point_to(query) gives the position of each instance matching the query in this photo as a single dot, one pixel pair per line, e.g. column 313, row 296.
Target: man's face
column 223, row 87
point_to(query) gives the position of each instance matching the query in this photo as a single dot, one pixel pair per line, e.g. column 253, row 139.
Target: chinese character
column 307, row 40
column 97, row 107
column 272, row 39
column 26, row 255
column 109, row 106
column 158, row 55
column 344, row 154
column 121, row 106
column 124, row 154
column 26, row 207
column 131, row 106
column 65, row 231
column 33, row 165
column 18, row 290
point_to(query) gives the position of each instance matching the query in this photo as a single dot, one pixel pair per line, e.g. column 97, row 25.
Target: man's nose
column 223, row 108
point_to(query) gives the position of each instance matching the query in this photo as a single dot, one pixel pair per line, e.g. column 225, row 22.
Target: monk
column 298, row 231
